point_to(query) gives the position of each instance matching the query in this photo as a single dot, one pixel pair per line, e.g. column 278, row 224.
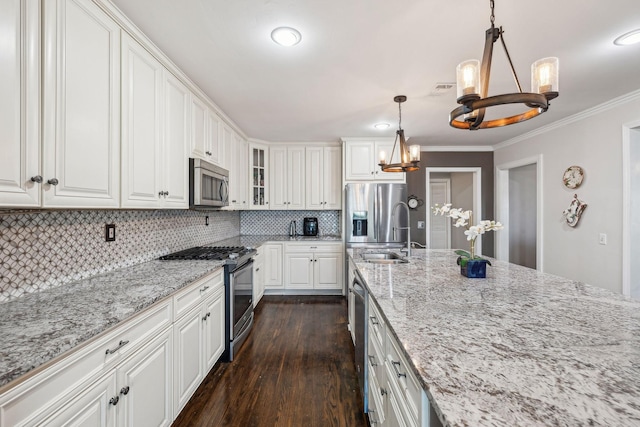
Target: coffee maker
column 310, row 226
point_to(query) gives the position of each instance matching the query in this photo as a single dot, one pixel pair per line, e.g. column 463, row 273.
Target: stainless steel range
column 238, row 281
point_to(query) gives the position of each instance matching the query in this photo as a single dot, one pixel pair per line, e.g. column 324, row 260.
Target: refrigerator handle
column 376, row 206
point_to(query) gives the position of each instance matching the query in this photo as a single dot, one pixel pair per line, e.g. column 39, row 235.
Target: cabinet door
column 199, row 111
column 188, row 350
column 298, row 270
column 258, row 278
column 91, row 408
column 242, row 171
column 328, row 270
column 20, row 103
column 214, row 336
column 81, row 106
column 332, row 178
column 278, row 177
column 145, row 388
column 273, row 266
column 142, row 77
column 214, row 146
column 175, row 175
column 295, row 177
column 314, row 183
column 258, row 179
column 359, row 161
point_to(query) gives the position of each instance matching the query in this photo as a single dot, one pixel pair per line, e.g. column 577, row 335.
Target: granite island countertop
column 517, row 348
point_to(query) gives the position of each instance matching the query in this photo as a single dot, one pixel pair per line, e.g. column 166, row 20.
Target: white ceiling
column 356, row 55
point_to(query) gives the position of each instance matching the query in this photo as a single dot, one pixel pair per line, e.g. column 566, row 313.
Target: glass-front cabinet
column 259, row 186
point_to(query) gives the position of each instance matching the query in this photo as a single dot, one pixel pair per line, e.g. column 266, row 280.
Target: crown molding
column 460, row 148
column 608, row 105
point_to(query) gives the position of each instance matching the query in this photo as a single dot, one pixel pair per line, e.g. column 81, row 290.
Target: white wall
column 592, row 140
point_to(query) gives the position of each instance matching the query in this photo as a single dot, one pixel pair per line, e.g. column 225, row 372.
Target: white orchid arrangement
column 464, row 219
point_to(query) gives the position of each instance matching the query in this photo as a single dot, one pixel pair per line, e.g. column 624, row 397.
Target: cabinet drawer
column 403, row 382
column 35, row 397
column 375, row 359
column 313, row 247
column 193, row 294
column 377, row 327
column 376, row 405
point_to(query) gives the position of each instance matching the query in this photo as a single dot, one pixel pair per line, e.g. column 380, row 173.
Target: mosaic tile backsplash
column 277, row 222
column 39, row 250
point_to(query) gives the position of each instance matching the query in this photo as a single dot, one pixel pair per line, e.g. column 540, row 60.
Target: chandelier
column 473, row 87
column 408, row 158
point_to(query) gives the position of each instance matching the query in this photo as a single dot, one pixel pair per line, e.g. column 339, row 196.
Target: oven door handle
column 224, row 190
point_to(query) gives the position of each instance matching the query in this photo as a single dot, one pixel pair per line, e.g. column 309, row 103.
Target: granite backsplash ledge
column 44, row 249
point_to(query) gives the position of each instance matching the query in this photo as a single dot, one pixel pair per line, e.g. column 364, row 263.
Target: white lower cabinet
column 313, row 266
column 258, row 277
column 395, row 397
column 272, row 266
column 198, row 334
column 133, row 375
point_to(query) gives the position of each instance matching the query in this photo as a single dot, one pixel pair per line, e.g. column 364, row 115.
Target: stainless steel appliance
column 238, row 281
column 369, row 215
column 208, row 185
column 361, row 317
column 310, row 226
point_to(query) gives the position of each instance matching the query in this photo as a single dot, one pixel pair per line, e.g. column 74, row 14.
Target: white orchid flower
column 460, row 222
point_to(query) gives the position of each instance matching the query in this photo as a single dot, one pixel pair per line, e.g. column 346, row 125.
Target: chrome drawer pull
column 374, row 320
column 204, row 289
column 396, row 365
column 121, row 344
column 373, row 419
column 372, row 360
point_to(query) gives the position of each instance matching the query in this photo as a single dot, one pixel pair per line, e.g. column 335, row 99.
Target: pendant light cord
column 493, row 16
column 399, row 115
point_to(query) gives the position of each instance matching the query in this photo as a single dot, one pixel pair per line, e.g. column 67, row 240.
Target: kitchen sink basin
column 384, row 258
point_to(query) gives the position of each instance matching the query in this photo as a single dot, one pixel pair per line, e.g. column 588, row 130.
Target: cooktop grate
column 205, row 253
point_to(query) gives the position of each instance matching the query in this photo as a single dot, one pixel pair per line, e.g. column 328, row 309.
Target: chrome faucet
column 408, row 227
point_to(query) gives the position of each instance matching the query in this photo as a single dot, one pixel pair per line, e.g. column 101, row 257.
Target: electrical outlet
column 602, row 239
column 110, row 232
column 420, row 224
column 206, row 220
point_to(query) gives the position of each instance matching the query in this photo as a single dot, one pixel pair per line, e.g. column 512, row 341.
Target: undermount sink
column 384, row 258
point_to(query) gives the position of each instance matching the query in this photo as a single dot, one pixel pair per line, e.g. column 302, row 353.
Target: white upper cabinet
column 206, row 142
column 175, row 142
column 155, row 132
column 287, row 177
column 362, row 158
column 141, row 126
column 19, row 86
column 81, row 106
column 259, row 181
column 323, row 178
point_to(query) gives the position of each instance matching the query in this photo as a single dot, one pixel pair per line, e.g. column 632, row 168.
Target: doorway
column 519, row 208
column 631, row 210
column 464, row 191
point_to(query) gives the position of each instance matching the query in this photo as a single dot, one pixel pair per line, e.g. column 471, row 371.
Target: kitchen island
column 517, row 348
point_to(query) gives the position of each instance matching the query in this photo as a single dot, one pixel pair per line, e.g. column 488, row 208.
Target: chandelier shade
column 472, row 78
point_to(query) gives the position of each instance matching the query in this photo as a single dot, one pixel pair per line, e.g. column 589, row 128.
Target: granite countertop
column 517, row 348
column 38, row 327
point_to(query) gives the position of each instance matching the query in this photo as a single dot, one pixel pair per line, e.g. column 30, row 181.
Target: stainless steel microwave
column 208, row 185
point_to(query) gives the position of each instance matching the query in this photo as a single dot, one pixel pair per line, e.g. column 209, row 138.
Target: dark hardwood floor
column 295, row 369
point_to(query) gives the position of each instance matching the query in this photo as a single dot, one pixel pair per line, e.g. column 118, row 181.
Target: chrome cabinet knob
column 37, row 179
column 208, row 153
column 53, row 181
column 114, row 400
column 124, row 390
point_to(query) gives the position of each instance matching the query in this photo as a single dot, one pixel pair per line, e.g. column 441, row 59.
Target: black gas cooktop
column 209, row 253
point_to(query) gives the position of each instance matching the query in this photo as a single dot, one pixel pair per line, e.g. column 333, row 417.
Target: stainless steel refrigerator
column 368, row 214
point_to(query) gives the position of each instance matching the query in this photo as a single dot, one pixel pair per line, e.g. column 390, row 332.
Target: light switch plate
column 110, row 232
column 421, row 224
column 602, row 239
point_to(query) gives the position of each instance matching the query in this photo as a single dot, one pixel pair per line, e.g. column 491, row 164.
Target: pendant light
column 408, row 158
column 473, row 87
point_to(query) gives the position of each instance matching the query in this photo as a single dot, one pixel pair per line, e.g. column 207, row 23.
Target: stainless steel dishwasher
column 361, row 299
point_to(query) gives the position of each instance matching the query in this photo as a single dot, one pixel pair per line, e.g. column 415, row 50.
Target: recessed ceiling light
column 631, row 37
column 382, row 126
column 286, row 36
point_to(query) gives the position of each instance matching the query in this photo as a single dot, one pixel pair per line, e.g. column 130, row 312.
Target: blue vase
column 475, row 269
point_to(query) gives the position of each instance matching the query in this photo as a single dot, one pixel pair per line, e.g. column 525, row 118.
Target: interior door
column 440, row 233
